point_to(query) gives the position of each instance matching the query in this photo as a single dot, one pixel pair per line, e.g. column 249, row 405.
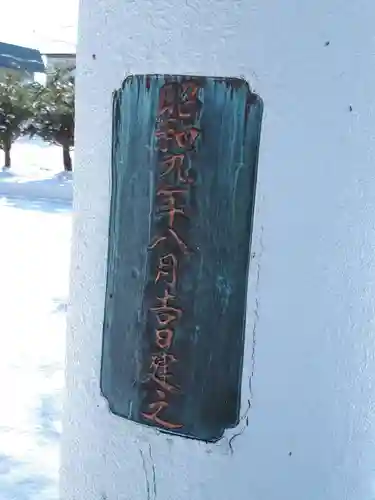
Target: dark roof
column 60, row 55
column 22, row 58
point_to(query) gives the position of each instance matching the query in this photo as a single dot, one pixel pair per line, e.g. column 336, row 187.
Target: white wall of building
column 311, row 302
column 60, row 62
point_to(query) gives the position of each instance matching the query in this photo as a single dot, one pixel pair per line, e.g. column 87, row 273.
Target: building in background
column 21, row 62
column 54, row 61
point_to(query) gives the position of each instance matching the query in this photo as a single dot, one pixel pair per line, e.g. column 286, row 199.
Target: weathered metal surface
column 184, row 164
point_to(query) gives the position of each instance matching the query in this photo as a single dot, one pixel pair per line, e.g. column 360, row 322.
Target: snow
column 34, row 274
column 36, row 172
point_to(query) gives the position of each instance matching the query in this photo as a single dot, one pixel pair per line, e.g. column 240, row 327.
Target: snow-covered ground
column 36, row 171
column 34, row 275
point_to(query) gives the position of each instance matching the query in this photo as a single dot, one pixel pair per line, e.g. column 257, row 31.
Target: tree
column 53, row 119
column 15, row 111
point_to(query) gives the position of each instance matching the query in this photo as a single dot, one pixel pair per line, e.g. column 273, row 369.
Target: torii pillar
column 303, row 415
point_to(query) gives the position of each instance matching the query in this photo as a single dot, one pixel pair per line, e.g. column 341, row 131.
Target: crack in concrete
column 230, row 442
column 153, row 470
column 256, row 314
column 254, row 341
column 256, row 319
column 146, row 475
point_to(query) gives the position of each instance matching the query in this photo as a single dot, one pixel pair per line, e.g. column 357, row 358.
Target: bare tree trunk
column 67, row 159
column 7, row 161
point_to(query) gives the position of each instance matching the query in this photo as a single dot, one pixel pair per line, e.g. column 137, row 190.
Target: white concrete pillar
column 310, row 344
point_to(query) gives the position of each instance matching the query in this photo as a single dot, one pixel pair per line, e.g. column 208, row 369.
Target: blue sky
column 47, row 25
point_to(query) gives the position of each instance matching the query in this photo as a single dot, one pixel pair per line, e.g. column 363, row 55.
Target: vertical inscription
column 176, row 130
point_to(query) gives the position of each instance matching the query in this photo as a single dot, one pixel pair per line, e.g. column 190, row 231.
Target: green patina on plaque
column 184, row 164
